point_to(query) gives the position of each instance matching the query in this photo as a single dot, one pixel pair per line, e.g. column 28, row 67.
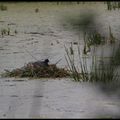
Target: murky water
column 48, row 24
column 41, row 35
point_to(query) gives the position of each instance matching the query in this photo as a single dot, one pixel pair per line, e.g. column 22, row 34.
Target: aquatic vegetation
column 109, row 6
column 100, row 71
column 16, row 31
column 7, row 31
column 3, row 7
column 70, row 61
column 86, row 45
column 103, row 72
column 51, row 71
column 75, row 73
column 92, row 39
column 111, row 36
column 95, row 39
column 113, row 5
column 36, row 10
column 115, row 59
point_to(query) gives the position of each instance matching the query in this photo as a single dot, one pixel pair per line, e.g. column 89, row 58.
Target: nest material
column 51, row 71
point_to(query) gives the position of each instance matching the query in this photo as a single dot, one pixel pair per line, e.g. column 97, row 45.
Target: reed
column 95, row 39
column 91, row 39
column 71, row 64
column 113, row 5
column 102, row 71
column 7, row 31
column 74, row 71
column 111, row 36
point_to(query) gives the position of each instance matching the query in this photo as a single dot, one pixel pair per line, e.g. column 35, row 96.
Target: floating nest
column 50, row 71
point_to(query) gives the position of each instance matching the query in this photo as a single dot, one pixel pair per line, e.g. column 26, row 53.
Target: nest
column 51, row 71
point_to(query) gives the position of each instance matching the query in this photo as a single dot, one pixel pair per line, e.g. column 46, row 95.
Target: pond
column 48, row 23
column 37, row 31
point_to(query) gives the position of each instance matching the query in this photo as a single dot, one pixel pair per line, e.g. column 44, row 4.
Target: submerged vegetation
column 3, row 7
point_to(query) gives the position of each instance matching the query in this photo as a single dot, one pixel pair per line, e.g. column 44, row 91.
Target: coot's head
column 46, row 60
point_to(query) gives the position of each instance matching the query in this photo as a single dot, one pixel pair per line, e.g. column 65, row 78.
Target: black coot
column 41, row 63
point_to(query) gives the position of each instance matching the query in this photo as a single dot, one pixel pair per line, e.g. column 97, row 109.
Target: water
column 53, row 32
column 49, row 23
